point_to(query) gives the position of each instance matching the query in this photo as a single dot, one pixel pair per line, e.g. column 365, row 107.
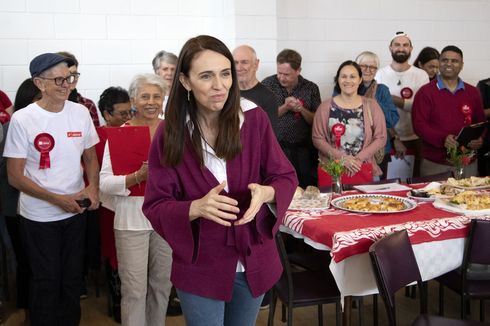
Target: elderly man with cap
column 403, row 80
column 45, row 144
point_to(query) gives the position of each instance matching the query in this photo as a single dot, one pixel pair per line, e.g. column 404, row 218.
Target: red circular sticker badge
column 466, row 110
column 338, row 130
column 406, row 93
column 44, row 143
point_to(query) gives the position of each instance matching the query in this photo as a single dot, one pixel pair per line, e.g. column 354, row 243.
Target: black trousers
column 304, row 159
column 55, row 252
column 22, row 272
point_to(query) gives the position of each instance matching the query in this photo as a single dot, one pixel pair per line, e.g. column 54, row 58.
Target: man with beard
column 403, row 80
column 298, row 99
column 441, row 108
column 247, row 64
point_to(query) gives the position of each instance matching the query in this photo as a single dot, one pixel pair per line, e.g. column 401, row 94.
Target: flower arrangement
column 334, row 167
column 459, row 156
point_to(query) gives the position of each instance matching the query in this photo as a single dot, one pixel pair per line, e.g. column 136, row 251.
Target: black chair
column 467, row 281
column 303, row 288
column 433, row 177
column 395, row 266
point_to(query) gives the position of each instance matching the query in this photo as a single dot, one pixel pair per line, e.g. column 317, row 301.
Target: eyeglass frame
column 63, row 79
column 122, row 114
column 366, row 67
column 77, row 75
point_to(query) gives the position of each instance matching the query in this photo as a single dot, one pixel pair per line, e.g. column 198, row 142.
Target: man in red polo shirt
column 441, row 109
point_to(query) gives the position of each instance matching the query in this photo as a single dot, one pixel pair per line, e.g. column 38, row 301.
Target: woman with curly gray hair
column 144, row 258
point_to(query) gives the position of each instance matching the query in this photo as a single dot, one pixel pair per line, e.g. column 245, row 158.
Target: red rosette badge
column 297, row 115
column 338, row 130
column 406, row 93
column 466, row 110
column 44, row 143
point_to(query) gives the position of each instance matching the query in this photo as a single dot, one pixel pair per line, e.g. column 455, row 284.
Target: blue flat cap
column 45, row 61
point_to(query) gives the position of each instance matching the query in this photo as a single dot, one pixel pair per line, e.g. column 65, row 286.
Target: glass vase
column 336, row 185
column 458, row 172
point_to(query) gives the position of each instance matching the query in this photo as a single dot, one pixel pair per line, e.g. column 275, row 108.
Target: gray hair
column 367, row 55
column 146, row 79
column 164, row 56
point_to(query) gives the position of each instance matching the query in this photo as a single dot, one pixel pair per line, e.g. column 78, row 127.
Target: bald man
column 247, row 64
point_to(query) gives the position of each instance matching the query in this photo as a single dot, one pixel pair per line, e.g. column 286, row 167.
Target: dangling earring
column 188, row 96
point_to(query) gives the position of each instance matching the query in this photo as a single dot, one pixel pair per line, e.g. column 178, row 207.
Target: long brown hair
column 228, row 143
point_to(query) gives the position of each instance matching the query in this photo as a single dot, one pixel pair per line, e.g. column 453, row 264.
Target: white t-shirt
column 73, row 132
column 408, row 82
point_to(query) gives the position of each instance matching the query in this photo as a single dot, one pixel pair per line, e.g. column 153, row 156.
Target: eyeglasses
column 77, row 75
column 58, row 81
column 370, row 68
column 122, row 114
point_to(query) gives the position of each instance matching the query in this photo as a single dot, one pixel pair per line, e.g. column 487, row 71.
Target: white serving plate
column 338, row 203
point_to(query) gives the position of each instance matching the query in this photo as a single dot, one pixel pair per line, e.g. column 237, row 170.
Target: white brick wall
column 115, row 39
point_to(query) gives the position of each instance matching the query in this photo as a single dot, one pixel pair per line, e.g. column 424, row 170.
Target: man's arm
column 307, row 115
column 16, row 177
column 89, row 157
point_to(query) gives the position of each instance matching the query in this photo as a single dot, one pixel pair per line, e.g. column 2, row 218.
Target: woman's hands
column 215, row 207
column 260, row 195
column 352, row 164
column 223, row 209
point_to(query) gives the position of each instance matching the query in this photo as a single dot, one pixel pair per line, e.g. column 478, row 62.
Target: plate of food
column 467, row 202
column 429, row 193
column 421, row 195
column 471, row 183
column 374, row 203
column 310, row 199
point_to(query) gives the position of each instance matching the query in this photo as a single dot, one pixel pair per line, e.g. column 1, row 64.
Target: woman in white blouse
column 144, row 258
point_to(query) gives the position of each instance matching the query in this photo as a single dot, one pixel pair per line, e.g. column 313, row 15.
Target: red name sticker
column 406, row 93
column 74, row 134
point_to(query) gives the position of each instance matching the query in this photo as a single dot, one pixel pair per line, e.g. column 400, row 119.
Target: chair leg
column 283, row 313
column 463, row 307
column 375, row 309
column 338, row 313
column 413, row 295
column 320, row 315
column 482, row 310
column 361, row 311
column 290, row 315
column 272, row 308
column 441, row 299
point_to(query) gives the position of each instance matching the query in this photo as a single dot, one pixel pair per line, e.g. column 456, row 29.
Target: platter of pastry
column 471, row 183
column 467, row 202
column 310, row 199
column 374, row 203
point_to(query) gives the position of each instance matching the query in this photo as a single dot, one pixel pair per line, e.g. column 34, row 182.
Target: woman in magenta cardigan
column 348, row 125
column 214, row 164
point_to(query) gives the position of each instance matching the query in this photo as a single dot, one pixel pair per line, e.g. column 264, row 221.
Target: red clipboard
column 129, row 147
column 365, row 175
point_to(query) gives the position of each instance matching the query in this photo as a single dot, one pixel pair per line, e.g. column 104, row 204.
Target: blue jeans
column 242, row 310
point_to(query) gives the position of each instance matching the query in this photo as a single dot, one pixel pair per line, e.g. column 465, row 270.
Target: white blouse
column 128, row 209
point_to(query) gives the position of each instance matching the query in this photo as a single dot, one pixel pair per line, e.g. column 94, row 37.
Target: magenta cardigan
column 205, row 254
column 374, row 132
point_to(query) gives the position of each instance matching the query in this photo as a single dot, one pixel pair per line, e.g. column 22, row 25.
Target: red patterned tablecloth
column 348, row 233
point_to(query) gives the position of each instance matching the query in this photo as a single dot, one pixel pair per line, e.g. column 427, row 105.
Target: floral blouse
column 352, row 139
